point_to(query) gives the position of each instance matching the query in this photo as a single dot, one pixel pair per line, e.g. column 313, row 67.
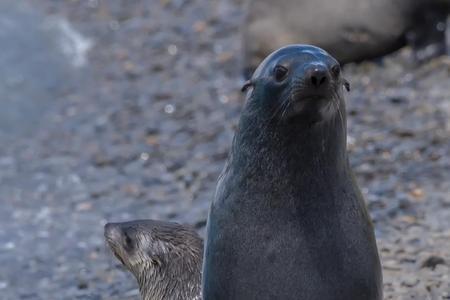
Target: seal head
column 298, row 81
column 164, row 257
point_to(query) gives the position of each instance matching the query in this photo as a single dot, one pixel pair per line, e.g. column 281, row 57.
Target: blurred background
column 119, row 110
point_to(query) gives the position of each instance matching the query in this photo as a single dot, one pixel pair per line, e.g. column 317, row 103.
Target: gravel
column 130, row 114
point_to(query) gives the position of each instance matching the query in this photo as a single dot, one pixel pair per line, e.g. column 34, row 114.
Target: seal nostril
column 318, row 80
column 318, row 77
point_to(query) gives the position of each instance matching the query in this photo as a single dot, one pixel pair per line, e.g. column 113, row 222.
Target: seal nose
column 317, row 76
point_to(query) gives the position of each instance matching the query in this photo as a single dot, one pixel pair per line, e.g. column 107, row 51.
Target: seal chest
column 288, row 220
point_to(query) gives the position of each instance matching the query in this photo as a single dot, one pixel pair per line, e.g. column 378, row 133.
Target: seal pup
column 164, row 257
column 350, row 30
column 288, row 220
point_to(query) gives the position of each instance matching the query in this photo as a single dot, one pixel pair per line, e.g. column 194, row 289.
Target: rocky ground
column 125, row 109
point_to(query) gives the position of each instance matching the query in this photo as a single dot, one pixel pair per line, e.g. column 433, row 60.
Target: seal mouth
column 117, row 255
column 311, row 100
column 309, row 103
column 113, row 236
column 311, row 97
column 115, row 247
column 302, row 93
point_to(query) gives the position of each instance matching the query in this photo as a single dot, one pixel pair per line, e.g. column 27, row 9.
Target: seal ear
column 246, row 85
column 347, row 85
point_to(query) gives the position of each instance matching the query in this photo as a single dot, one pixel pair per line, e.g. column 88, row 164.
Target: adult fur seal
column 288, row 220
column 164, row 257
column 350, row 30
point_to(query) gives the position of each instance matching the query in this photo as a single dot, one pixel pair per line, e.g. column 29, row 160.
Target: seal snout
column 112, row 232
column 314, row 82
column 317, row 76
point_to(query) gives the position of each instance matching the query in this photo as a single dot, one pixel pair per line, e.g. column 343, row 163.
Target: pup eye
column 336, row 69
column 280, row 72
column 128, row 240
column 154, row 262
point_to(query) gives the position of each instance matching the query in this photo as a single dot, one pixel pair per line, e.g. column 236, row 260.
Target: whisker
column 288, row 103
column 280, row 108
column 334, row 101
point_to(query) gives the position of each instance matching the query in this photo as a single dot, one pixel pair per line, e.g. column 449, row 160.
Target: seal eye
column 128, row 240
column 336, row 69
column 280, row 73
column 154, row 262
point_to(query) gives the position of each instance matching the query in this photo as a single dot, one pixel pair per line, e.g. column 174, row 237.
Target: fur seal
column 350, row 30
column 288, row 220
column 164, row 257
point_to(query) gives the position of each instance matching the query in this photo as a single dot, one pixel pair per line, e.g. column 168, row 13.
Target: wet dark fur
column 288, row 220
column 164, row 257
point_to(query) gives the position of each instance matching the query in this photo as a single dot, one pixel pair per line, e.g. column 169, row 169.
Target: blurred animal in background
column 165, row 257
column 350, row 30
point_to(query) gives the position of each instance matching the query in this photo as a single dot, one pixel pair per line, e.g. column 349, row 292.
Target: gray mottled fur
column 164, row 257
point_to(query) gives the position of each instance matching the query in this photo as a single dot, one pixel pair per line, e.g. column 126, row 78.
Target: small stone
column 129, row 67
column 10, row 246
column 133, row 190
column 398, row 100
column 83, row 206
column 152, row 139
column 408, row 219
column 391, row 265
column 169, row 109
column 432, row 261
column 417, row 193
column 224, row 57
column 132, row 293
column 114, row 25
column 172, row 50
column 410, row 281
column 101, row 160
column 131, row 70
column 144, row 156
column 93, row 255
column 199, row 26
column 82, row 285
column 223, row 99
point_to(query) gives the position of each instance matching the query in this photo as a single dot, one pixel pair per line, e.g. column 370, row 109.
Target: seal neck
column 290, row 147
column 176, row 279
